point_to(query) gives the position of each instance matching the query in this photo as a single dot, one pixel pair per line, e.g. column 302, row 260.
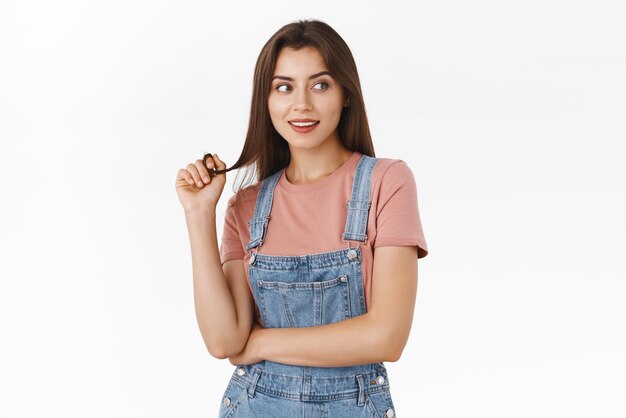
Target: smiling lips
column 303, row 125
column 303, row 122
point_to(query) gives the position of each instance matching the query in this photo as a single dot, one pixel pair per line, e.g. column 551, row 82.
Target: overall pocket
column 232, row 398
column 304, row 304
column 380, row 404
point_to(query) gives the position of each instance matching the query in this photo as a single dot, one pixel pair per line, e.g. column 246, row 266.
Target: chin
column 299, row 144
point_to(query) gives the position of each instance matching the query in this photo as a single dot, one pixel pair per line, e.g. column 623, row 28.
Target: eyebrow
column 282, row 77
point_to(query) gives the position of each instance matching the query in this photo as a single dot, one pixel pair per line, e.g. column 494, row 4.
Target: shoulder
column 391, row 171
column 243, row 198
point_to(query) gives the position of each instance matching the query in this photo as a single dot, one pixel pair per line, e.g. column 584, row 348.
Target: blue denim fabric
column 304, row 291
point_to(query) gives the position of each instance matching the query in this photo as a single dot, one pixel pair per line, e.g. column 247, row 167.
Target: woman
column 295, row 296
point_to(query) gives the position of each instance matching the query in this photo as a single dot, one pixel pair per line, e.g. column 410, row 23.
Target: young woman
column 314, row 285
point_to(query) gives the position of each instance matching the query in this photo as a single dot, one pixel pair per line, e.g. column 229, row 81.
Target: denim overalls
column 306, row 291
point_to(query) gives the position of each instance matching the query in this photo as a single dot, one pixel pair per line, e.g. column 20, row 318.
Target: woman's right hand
column 199, row 188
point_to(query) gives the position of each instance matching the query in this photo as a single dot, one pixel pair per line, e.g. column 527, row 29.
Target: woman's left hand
column 250, row 353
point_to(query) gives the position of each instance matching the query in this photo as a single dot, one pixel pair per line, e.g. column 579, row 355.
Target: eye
column 324, row 83
column 278, row 87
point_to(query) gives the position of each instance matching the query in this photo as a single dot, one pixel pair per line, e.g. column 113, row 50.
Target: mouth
column 303, row 126
column 303, row 123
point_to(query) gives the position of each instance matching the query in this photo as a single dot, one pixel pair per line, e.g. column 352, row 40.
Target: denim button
column 352, row 254
column 226, row 402
column 252, row 258
column 344, row 278
column 380, row 380
column 240, row 371
column 389, row 413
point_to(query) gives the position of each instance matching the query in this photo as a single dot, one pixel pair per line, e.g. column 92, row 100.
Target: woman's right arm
column 223, row 303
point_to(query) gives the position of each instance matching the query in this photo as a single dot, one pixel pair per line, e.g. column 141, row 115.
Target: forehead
column 299, row 63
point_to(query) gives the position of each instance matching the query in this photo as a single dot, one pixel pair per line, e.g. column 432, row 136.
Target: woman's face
column 295, row 94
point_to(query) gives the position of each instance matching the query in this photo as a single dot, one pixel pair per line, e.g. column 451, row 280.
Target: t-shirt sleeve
column 398, row 219
column 231, row 247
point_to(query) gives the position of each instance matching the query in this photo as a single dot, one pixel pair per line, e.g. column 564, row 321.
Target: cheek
column 277, row 108
column 277, row 111
column 331, row 103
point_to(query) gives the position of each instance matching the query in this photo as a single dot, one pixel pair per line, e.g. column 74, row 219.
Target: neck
column 309, row 165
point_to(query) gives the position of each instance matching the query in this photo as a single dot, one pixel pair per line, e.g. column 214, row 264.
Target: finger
column 202, row 169
column 194, row 173
column 185, row 175
column 219, row 164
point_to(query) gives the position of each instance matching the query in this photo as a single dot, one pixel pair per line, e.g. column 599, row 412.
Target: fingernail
column 205, row 178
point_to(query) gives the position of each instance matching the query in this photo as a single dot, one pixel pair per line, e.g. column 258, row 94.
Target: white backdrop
column 510, row 115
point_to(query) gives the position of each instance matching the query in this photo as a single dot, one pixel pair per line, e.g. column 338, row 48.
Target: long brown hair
column 265, row 148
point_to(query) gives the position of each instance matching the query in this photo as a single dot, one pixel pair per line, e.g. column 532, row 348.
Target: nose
column 302, row 100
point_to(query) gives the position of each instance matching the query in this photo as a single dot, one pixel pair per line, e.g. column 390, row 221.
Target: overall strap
column 359, row 203
column 258, row 224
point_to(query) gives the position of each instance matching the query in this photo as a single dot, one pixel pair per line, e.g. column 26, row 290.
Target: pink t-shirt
column 310, row 218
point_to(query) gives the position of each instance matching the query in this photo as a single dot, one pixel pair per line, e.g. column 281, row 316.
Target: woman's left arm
column 377, row 336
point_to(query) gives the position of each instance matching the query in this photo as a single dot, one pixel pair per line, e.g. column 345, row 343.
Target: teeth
column 303, row 123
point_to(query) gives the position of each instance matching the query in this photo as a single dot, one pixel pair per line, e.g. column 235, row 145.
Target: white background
column 510, row 114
